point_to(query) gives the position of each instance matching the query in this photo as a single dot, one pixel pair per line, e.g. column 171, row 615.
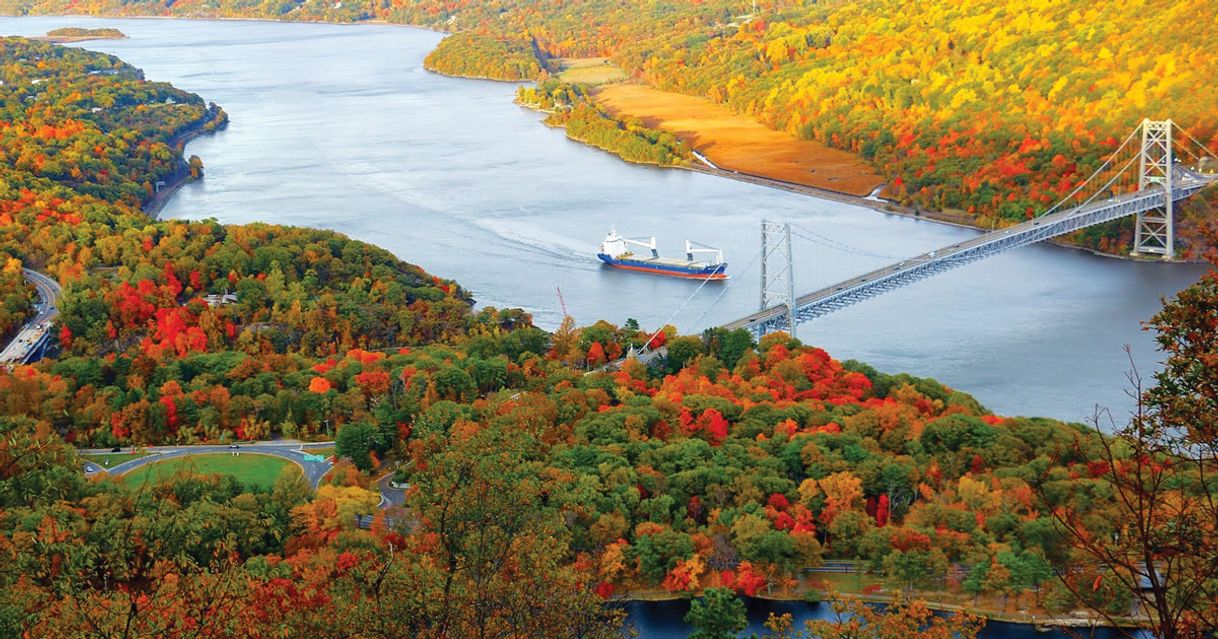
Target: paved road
column 291, row 450
column 34, row 334
column 390, row 497
column 48, row 294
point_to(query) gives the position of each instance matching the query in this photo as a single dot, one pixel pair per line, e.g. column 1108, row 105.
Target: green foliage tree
column 357, row 442
column 717, row 614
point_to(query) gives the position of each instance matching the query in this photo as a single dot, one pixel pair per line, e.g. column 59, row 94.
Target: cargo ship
column 616, row 252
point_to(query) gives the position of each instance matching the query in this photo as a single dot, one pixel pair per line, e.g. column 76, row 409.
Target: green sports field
column 250, row 469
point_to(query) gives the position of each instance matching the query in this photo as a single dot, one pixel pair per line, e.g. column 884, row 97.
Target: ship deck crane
column 649, row 244
column 692, row 247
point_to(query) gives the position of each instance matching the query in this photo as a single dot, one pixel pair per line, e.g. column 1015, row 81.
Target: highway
column 48, row 295
column 36, row 332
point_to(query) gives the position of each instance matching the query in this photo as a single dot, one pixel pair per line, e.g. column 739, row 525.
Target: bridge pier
column 778, row 285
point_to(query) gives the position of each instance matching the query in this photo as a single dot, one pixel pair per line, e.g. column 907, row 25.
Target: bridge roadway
column 913, row 269
column 34, row 335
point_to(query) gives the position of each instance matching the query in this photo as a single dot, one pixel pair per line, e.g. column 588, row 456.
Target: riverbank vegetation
column 984, row 108
column 572, row 107
column 543, row 483
column 475, row 55
column 77, row 172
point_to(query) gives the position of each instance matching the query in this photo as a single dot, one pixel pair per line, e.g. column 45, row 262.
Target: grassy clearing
column 738, row 142
column 250, row 469
column 110, row 460
column 589, row 71
column 326, row 451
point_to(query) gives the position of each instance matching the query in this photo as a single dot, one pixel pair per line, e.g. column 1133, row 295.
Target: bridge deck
column 27, row 346
column 919, row 267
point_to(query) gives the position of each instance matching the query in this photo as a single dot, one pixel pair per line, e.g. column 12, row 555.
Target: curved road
column 48, row 294
column 34, row 334
column 391, row 497
column 293, row 451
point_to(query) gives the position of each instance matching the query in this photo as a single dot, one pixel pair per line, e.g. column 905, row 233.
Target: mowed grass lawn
column 325, row 451
column 249, row 469
column 589, row 71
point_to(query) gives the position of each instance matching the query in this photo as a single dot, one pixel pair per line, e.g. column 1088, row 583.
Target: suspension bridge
column 1143, row 180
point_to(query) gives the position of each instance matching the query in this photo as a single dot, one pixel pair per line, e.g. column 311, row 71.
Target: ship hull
column 690, row 271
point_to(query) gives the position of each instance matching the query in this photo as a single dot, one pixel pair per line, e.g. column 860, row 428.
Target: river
column 664, row 620
column 341, row 127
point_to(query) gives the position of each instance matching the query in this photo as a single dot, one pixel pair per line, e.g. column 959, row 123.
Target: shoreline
column 871, row 201
column 1066, row 620
column 590, row 145
column 72, row 39
column 182, row 176
column 480, row 78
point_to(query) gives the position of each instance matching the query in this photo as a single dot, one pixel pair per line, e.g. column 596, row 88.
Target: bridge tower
column 778, row 283
column 1153, row 231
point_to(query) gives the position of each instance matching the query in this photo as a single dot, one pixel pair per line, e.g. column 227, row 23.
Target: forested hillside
column 992, row 108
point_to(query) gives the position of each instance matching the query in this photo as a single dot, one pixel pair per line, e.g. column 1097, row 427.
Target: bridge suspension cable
column 680, row 309
column 831, row 243
column 1148, row 193
column 726, row 286
column 1208, row 154
column 1100, row 169
column 846, row 248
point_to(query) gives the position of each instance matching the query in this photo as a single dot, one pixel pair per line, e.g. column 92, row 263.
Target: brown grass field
column 740, row 143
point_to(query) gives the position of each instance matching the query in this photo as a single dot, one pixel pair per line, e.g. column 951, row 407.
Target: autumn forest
column 550, row 479
column 989, row 110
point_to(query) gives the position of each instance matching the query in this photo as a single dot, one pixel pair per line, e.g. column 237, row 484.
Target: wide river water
column 340, row 127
